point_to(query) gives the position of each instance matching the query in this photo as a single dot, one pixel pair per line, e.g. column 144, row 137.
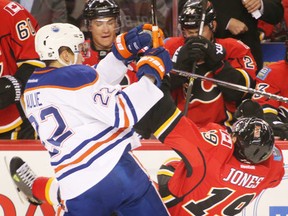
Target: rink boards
column 272, row 202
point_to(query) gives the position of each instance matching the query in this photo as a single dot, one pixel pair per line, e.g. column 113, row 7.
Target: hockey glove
column 201, row 49
column 249, row 108
column 148, row 28
column 127, row 45
column 184, row 57
column 10, row 91
column 155, row 62
column 280, row 129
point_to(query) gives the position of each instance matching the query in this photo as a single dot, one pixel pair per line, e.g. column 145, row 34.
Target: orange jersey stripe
column 90, row 151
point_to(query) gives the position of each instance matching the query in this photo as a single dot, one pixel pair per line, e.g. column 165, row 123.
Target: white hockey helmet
column 50, row 38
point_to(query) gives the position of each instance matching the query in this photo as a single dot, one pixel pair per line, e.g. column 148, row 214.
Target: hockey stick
column 231, row 85
column 155, row 29
column 191, row 80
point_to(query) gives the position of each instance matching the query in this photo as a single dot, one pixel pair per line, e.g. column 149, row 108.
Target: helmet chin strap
column 70, row 62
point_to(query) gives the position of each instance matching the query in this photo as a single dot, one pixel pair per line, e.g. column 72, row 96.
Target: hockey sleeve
column 23, row 73
column 170, row 127
column 236, row 76
column 158, row 114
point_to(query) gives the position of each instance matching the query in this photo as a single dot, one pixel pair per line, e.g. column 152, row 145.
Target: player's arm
column 236, row 76
column 239, row 55
column 167, row 123
column 12, row 87
column 126, row 107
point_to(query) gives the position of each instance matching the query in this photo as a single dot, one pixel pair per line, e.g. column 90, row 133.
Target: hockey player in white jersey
column 85, row 120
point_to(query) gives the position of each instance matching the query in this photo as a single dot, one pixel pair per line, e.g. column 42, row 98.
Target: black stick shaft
column 191, row 80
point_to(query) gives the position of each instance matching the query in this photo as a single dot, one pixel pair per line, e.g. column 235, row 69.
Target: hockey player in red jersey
column 225, row 59
column 273, row 79
column 102, row 19
column 219, row 172
column 17, row 61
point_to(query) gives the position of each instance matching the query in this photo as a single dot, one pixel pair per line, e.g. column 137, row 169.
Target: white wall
column 10, row 202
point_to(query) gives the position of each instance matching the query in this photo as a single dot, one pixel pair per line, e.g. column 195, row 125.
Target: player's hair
column 50, row 38
column 255, row 140
column 191, row 15
column 100, row 9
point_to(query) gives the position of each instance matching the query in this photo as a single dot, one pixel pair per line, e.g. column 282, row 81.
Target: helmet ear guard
column 255, row 140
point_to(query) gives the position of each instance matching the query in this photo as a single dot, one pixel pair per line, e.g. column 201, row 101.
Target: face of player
column 207, row 33
column 103, row 32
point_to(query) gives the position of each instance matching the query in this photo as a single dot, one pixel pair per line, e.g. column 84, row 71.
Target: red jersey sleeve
column 239, row 55
column 270, row 80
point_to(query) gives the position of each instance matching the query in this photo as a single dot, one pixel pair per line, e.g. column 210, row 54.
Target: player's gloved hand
column 156, row 62
column 127, row 45
column 10, row 91
column 199, row 49
column 280, row 129
column 148, row 28
column 249, row 108
column 213, row 53
column 184, row 58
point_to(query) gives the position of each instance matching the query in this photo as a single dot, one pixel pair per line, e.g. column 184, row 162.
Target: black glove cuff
column 17, row 86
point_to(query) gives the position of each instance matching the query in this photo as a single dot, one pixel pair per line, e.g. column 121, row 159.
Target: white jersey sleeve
column 111, row 70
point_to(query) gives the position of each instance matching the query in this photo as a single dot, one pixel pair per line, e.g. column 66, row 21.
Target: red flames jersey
column 219, row 184
column 17, row 32
column 206, row 95
column 92, row 57
column 273, row 79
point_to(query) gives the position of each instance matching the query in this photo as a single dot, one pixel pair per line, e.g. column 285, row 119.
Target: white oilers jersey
column 84, row 122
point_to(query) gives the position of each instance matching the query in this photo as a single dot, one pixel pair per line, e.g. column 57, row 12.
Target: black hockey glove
column 203, row 49
column 249, row 108
column 280, row 129
column 10, row 91
column 185, row 56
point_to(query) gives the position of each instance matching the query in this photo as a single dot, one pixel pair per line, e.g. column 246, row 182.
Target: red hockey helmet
column 255, row 140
